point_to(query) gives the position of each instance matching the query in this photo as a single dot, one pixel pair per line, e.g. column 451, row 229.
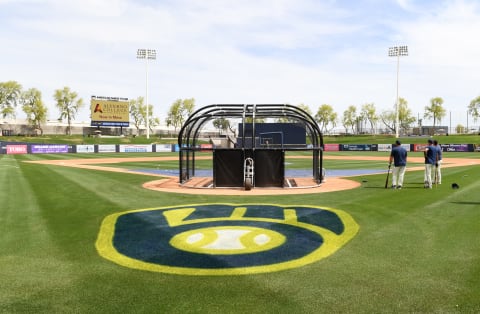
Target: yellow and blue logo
column 223, row 239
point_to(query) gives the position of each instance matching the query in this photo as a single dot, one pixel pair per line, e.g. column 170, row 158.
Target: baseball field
column 76, row 238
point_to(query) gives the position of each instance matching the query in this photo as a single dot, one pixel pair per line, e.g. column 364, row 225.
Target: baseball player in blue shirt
column 399, row 157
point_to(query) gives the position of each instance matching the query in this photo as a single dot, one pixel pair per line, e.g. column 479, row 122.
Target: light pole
column 147, row 54
column 397, row 51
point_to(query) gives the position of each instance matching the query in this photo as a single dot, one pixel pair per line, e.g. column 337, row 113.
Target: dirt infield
column 304, row 185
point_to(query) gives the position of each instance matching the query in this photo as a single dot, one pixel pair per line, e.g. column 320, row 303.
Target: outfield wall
column 408, row 147
column 33, row 148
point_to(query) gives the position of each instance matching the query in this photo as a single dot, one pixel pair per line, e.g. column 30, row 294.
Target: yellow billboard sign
column 109, row 111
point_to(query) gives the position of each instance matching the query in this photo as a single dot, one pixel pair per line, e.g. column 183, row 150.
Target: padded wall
column 228, row 168
column 269, row 168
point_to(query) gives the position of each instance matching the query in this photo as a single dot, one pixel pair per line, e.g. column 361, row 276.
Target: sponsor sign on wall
column 331, row 147
column 135, row 149
column 447, row 147
column 17, row 149
column 49, row 149
column 163, row 148
column 419, row 147
column 206, row 147
column 358, row 147
column 107, row 148
column 384, row 147
column 455, row 147
column 388, row 147
column 85, row 148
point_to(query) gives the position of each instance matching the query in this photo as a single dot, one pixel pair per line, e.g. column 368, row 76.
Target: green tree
column 349, row 118
column 305, row 108
column 460, row 129
column 34, row 108
column 388, row 118
column 405, row 117
column 326, row 116
column 221, row 123
column 188, row 106
column 435, row 110
column 137, row 112
column 153, row 121
column 257, row 120
column 294, row 120
column 68, row 104
column 474, row 108
column 369, row 114
column 10, row 93
column 179, row 112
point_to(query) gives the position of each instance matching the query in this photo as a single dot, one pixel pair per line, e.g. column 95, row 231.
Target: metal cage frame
column 190, row 131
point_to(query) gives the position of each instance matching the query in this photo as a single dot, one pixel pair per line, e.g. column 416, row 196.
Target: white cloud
column 219, row 51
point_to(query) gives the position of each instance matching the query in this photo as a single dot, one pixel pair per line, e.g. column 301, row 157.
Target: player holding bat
column 399, row 157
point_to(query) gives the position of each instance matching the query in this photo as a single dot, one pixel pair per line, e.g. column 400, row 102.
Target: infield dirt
column 304, row 185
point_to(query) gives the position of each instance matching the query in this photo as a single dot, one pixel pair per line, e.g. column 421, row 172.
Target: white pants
column 439, row 173
column 428, row 175
column 397, row 175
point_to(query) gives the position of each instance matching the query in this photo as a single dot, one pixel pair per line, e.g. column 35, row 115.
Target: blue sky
column 264, row 51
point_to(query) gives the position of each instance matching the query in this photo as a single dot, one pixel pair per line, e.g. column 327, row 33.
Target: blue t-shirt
column 399, row 154
column 430, row 155
column 439, row 152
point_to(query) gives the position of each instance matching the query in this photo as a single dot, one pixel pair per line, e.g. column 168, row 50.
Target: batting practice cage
column 253, row 153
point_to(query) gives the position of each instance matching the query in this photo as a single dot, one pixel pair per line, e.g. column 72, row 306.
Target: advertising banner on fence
column 455, row 147
column 388, row 147
column 419, row 147
column 206, row 147
column 164, row 148
column 331, row 147
column 447, row 147
column 49, row 149
column 135, row 148
column 17, row 149
column 384, row 147
column 107, row 148
column 358, row 147
column 85, row 148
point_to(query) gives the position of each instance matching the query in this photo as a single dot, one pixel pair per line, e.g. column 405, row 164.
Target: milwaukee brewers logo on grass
column 223, row 239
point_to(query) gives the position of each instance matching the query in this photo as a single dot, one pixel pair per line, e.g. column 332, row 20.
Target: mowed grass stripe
column 28, row 251
column 53, row 221
column 408, row 256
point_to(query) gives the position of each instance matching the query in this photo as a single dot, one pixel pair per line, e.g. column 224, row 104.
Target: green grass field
column 349, row 139
column 417, row 250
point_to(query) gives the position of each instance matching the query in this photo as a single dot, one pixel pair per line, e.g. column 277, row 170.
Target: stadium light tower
column 147, row 54
column 397, row 51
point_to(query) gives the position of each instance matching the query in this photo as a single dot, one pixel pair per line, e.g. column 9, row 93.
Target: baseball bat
column 388, row 175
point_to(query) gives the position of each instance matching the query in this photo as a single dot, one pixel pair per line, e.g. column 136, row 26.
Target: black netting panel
column 269, row 168
column 228, row 168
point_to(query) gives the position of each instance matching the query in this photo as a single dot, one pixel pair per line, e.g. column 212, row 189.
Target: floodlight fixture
column 147, row 54
column 397, row 51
